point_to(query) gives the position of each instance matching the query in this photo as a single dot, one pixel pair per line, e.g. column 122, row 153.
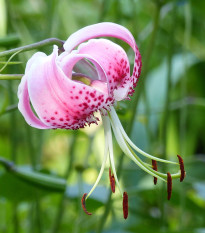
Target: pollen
column 154, row 167
column 83, row 204
column 125, row 205
column 112, row 181
column 181, row 163
column 169, row 186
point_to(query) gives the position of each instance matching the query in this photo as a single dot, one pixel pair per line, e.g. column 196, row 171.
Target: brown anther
column 112, row 181
column 181, row 163
column 125, row 205
column 154, row 167
column 169, row 186
column 83, row 204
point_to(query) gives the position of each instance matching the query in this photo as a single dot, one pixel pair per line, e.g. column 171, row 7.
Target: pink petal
column 59, row 101
column 110, row 30
column 24, row 104
column 99, row 30
column 113, row 60
column 25, row 108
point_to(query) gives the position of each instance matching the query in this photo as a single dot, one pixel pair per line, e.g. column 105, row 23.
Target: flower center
column 81, row 78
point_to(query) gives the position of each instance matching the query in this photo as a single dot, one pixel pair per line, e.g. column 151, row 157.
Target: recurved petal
column 59, row 101
column 110, row 30
column 113, row 60
column 24, row 102
column 25, row 108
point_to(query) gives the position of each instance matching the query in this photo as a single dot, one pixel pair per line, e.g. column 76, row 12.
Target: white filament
column 102, row 168
column 118, row 124
column 108, row 134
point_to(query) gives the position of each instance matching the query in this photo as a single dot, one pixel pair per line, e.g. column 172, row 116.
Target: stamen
column 125, row 205
column 154, row 166
column 129, row 152
column 112, row 181
column 169, row 186
column 116, row 121
column 108, row 135
column 181, row 163
column 83, row 204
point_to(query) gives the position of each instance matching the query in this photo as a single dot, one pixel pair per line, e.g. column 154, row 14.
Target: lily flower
column 67, row 89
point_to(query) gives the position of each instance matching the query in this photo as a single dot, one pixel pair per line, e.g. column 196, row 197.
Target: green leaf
column 15, row 189
column 37, row 179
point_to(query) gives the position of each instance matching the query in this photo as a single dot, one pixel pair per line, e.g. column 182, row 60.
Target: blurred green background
column 165, row 117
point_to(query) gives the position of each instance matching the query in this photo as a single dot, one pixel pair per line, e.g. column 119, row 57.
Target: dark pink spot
column 92, row 95
column 52, row 118
column 61, row 119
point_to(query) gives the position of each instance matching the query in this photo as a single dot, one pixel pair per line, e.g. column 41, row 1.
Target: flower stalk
column 37, row 45
column 11, row 76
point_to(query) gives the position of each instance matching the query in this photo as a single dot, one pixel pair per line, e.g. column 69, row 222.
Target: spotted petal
column 110, row 30
column 114, row 61
column 59, row 101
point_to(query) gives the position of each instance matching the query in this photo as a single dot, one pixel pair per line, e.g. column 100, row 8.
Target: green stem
column 134, row 112
column 184, row 110
column 61, row 205
column 166, row 113
column 11, row 76
column 37, row 45
column 31, row 216
column 77, row 227
column 32, row 154
column 13, row 152
column 15, row 216
column 145, row 65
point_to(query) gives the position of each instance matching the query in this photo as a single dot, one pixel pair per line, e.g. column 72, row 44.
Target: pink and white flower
column 66, row 90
